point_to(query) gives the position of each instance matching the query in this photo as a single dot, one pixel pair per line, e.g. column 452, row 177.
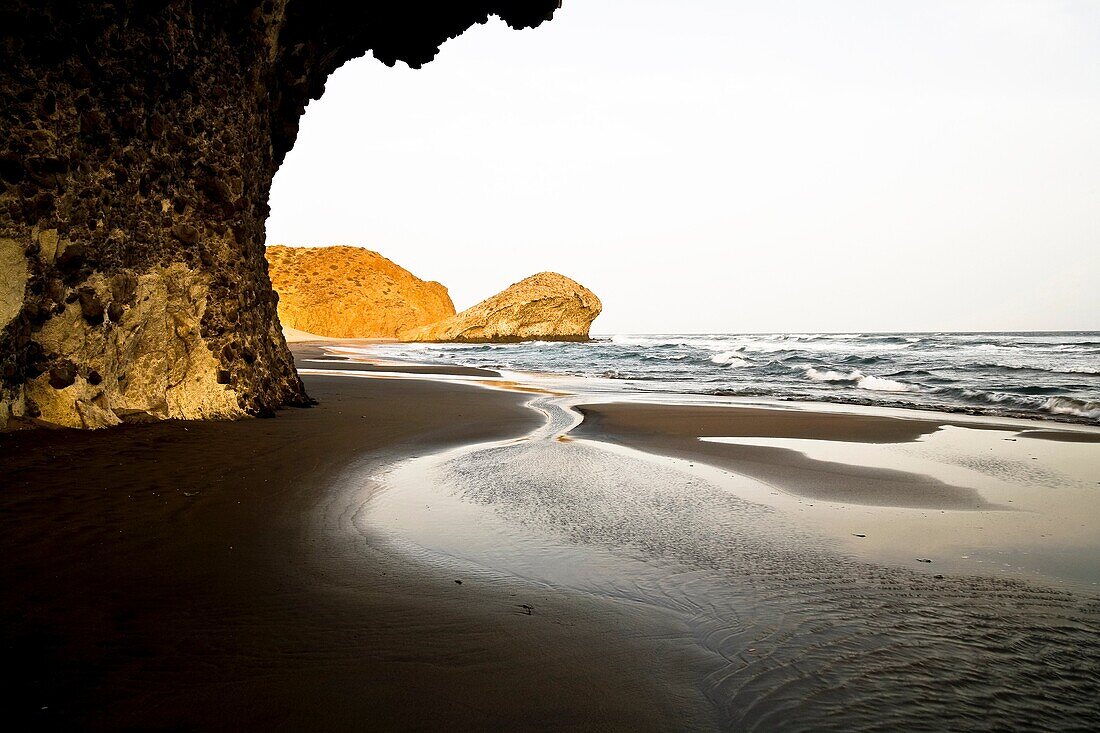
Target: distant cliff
column 546, row 306
column 350, row 292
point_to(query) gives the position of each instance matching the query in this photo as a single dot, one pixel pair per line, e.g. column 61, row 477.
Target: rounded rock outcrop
column 543, row 307
column 351, row 292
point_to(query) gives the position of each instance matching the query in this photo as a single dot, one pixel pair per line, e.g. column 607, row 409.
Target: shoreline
column 933, row 496
column 302, row 571
column 769, row 602
column 846, row 470
column 1057, row 427
column 736, row 368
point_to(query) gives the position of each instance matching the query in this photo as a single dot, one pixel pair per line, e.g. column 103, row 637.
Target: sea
column 1037, row 375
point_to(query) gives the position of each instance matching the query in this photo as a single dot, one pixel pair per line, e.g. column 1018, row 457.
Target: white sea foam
column 1070, row 406
column 990, row 397
column 1009, row 374
column 858, row 379
column 833, row 376
column 767, row 347
column 878, row 384
column 729, row 358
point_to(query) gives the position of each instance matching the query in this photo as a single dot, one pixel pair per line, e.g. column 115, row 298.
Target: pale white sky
column 733, row 165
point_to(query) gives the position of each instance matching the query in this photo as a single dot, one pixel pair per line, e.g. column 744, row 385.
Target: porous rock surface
column 138, row 141
column 543, row 307
column 351, row 292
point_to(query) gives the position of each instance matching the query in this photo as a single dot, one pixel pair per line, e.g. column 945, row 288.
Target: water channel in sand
column 789, row 622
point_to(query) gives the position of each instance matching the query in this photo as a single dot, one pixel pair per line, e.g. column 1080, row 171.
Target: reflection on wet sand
column 796, row 624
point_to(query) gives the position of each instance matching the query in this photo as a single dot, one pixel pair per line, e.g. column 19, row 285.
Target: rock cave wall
column 138, row 141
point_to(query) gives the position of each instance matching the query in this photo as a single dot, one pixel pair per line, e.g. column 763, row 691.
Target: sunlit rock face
column 543, row 307
column 138, row 141
column 351, row 292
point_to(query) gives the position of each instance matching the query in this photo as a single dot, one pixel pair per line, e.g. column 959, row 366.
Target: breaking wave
column 1049, row 376
column 1070, row 406
column 729, row 358
column 858, row 379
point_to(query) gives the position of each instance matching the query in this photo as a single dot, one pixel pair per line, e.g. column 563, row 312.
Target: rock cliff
column 138, row 141
column 351, row 292
column 544, row 307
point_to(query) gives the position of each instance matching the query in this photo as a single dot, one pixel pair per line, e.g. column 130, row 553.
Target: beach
column 610, row 366
column 198, row 575
column 431, row 546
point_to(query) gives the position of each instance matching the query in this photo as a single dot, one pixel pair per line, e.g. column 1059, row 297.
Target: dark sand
column 808, row 615
column 1062, row 436
column 206, row 576
column 674, row 430
column 218, row 576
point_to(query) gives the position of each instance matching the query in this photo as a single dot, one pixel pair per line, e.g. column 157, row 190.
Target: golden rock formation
column 143, row 138
column 351, row 292
column 545, row 307
column 140, row 359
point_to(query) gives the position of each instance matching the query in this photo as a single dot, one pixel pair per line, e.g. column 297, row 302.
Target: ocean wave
column 826, row 347
column 1049, row 369
column 765, row 347
column 1025, row 404
column 811, row 336
column 829, row 375
column 839, row 344
column 701, row 342
column 878, row 384
column 729, row 358
column 858, row 379
column 922, row 373
column 1086, row 347
column 1071, row 406
column 990, row 398
column 1038, row 389
column 746, row 392
column 663, row 357
column 882, row 339
column 864, row 360
column 1017, row 375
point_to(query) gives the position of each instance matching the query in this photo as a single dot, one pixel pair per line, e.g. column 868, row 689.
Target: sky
column 733, row 165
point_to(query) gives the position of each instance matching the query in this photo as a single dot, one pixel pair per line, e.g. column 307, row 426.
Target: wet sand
column 301, row 572
column 683, row 430
column 981, row 496
column 792, row 628
column 675, row 430
column 206, row 576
